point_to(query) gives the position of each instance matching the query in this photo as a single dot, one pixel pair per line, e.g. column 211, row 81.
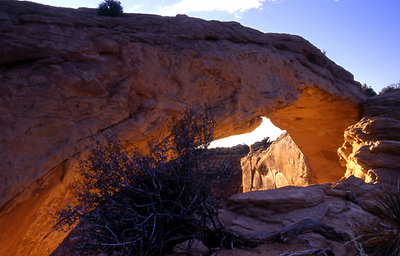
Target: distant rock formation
column 66, row 74
column 281, row 164
column 371, row 150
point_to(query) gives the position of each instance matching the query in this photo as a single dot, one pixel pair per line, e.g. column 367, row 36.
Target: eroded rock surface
column 337, row 205
column 281, row 164
column 66, row 74
column 371, row 150
column 286, row 220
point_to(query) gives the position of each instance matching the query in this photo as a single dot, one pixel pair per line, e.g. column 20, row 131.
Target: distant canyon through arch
column 266, row 129
column 132, row 75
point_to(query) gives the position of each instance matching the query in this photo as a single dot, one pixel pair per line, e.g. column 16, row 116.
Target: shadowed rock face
column 339, row 205
column 66, row 74
column 372, row 146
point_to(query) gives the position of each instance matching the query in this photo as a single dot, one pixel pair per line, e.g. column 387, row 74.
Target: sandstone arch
column 66, row 74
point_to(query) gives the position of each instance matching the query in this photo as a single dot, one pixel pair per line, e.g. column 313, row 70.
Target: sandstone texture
column 371, row 150
column 339, row 205
column 313, row 218
column 281, row 164
column 67, row 74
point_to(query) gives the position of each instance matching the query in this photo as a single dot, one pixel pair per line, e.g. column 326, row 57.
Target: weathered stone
column 315, row 136
column 66, row 74
column 281, row 164
column 261, row 214
column 371, row 150
column 276, row 200
column 270, row 249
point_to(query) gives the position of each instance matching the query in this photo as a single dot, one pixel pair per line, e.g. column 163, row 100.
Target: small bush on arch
column 110, row 8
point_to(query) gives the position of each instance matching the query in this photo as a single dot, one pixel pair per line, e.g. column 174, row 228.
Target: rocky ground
column 298, row 221
column 316, row 217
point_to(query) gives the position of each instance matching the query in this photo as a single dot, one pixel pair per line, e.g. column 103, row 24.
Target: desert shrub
column 111, row 8
column 263, row 144
column 132, row 203
column 368, row 90
column 391, row 88
column 266, row 142
column 382, row 238
column 240, row 149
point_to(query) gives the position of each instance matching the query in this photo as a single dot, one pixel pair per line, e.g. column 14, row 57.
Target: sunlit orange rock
column 66, row 74
column 371, row 150
column 281, row 164
column 314, row 122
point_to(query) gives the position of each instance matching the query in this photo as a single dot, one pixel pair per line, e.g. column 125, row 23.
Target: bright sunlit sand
column 266, row 129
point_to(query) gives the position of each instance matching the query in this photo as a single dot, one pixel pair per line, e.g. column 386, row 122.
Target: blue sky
column 363, row 36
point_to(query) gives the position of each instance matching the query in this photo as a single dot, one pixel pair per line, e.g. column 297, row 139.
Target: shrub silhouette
column 382, row 238
column 240, row 149
column 391, row 88
column 111, row 8
column 368, row 90
column 263, row 144
column 136, row 204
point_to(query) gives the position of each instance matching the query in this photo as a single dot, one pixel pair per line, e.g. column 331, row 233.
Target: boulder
column 66, row 74
column 281, row 164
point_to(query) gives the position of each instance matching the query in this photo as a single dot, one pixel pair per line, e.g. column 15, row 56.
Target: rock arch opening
column 314, row 125
column 316, row 122
column 265, row 129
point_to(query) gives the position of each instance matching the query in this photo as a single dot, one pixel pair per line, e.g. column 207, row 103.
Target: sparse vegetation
column 112, row 8
column 263, row 144
column 368, row 90
column 136, row 204
column 240, row 149
column 381, row 238
column 391, row 88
